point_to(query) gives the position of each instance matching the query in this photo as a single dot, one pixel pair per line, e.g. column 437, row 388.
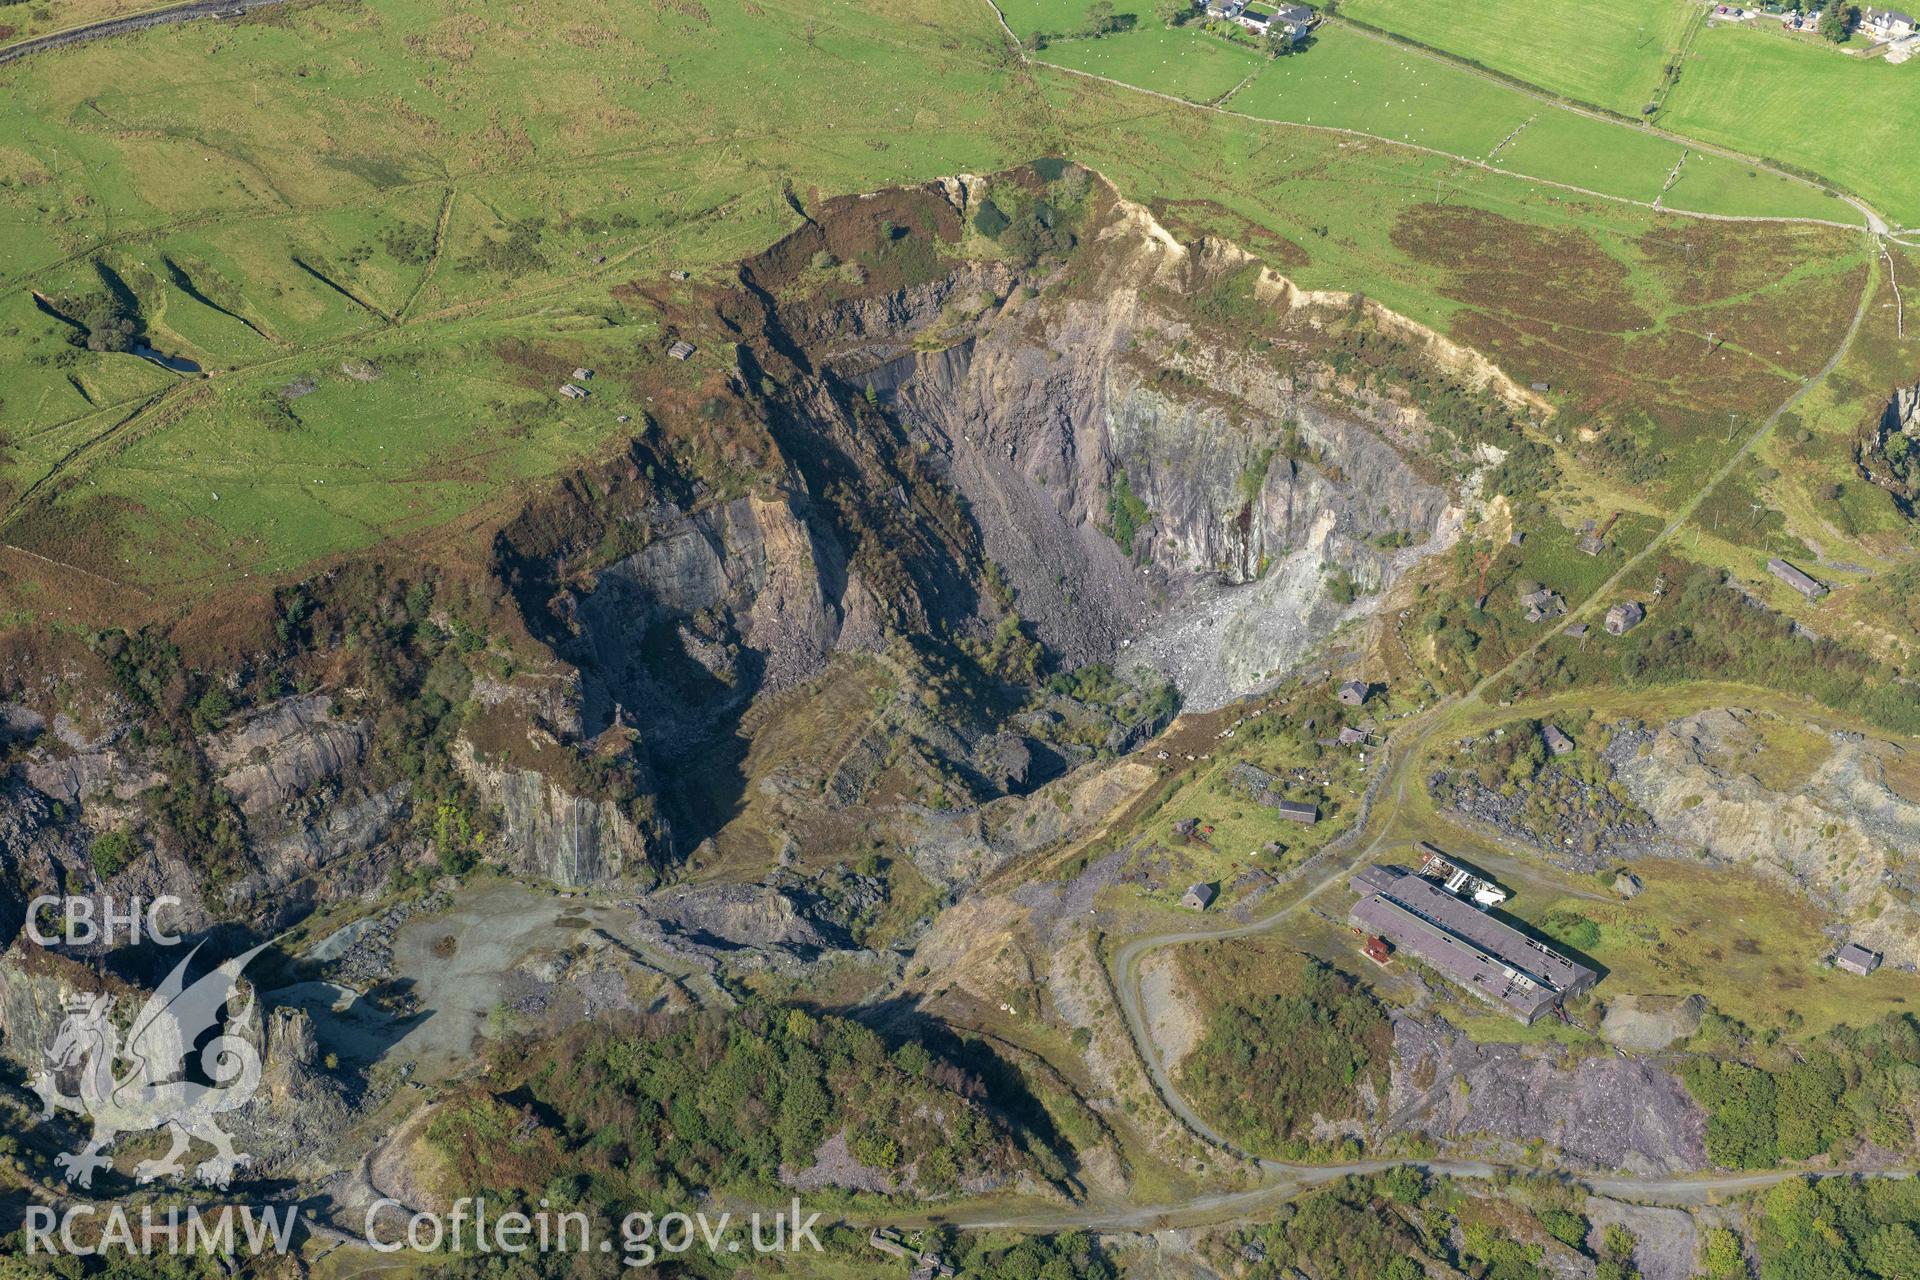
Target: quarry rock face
column 551, row 834
column 1257, row 485
column 1842, row 836
column 283, row 750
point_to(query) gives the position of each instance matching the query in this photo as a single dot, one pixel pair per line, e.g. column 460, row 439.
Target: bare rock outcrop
column 550, row 833
column 1843, row 836
column 283, row 750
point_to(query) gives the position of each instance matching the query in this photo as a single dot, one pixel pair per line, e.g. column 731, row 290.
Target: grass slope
column 1609, row 55
column 1848, row 118
column 397, row 195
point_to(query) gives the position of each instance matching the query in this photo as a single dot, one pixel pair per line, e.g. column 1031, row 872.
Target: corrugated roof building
column 1494, row 961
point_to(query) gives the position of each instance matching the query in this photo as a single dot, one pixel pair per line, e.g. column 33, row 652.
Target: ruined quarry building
column 1624, row 617
column 1806, row 586
column 1495, row 961
column 1856, row 959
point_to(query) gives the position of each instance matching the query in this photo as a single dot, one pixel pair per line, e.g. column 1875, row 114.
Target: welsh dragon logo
column 151, row 1091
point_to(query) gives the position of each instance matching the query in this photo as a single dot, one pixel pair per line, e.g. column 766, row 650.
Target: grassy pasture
column 1611, row 56
column 1563, row 147
column 1795, row 101
column 1028, row 18
column 26, row 20
column 401, row 192
column 1716, row 184
column 1187, row 63
column 1753, row 948
column 1350, row 80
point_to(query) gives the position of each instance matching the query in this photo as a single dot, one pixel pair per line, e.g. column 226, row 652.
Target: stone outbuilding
column 1624, row 617
column 1856, row 959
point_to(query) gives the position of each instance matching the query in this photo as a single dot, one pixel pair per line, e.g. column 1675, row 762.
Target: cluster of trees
column 1471, row 415
column 1357, row 1227
column 1271, row 1061
column 1399, row 1225
column 1127, row 513
column 107, row 325
column 1783, row 1106
column 1836, row 1229
column 679, row 1102
column 1837, row 21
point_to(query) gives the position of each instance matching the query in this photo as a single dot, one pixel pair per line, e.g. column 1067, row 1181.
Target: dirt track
column 132, row 22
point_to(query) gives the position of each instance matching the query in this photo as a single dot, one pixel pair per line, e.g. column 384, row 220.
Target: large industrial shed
column 1495, row 961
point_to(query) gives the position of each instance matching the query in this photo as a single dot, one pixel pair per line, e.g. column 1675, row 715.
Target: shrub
column 111, row 851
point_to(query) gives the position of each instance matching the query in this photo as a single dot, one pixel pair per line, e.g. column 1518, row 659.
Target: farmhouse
column 1624, row 617
column 1494, row 961
column 1557, row 742
column 1353, row 693
column 1349, row 736
column 572, row 392
column 1197, row 897
column 681, row 350
column 1794, row 578
column 1296, row 811
column 1887, row 24
column 1295, row 18
column 1255, row 19
column 1856, row 959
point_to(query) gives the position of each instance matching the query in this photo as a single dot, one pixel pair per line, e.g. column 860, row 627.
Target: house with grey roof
column 1557, row 742
column 1197, row 897
column 1887, row 24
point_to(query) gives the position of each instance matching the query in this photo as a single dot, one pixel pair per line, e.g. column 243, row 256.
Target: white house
column 1887, row 24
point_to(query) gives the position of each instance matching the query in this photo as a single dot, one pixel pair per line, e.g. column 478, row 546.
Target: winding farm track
column 131, row 22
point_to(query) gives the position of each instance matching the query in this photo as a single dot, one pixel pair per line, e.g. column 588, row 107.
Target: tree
column 1723, row 1255
column 1099, row 17
column 1837, row 21
column 1172, row 12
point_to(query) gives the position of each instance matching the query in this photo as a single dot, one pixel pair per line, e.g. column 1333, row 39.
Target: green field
column 1186, row 63
column 362, row 220
column 357, row 218
column 1798, row 102
column 1351, row 79
column 1850, row 119
column 1609, row 55
column 1029, row 18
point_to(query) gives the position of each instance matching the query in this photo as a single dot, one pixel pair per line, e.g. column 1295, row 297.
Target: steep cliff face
column 932, row 449
column 552, row 834
column 1152, row 486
